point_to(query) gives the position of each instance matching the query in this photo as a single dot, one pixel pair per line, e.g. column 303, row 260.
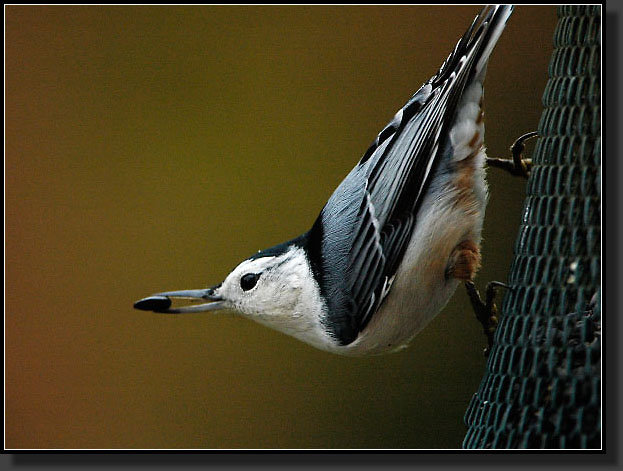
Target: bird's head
column 274, row 287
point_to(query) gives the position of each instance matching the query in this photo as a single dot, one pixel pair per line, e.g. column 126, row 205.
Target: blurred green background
column 153, row 148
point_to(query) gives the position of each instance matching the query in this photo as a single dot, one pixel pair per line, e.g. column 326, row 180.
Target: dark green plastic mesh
column 542, row 386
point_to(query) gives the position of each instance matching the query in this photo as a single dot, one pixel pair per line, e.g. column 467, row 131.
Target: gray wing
column 367, row 223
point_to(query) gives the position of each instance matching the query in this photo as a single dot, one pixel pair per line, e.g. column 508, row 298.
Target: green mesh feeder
column 542, row 385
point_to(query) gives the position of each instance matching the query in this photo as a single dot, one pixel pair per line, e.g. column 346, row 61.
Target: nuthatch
column 397, row 236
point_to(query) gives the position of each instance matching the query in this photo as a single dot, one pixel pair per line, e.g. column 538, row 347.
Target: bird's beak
column 161, row 302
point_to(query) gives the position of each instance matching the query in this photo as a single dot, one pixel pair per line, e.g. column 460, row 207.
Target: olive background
column 153, row 148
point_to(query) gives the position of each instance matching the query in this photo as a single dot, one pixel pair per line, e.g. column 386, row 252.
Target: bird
column 397, row 236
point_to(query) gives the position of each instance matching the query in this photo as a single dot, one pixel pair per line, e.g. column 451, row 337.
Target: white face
column 267, row 287
column 279, row 292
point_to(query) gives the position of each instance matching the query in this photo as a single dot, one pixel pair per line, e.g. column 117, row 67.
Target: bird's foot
column 486, row 311
column 517, row 166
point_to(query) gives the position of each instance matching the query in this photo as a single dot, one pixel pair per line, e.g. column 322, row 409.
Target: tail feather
column 477, row 42
column 496, row 24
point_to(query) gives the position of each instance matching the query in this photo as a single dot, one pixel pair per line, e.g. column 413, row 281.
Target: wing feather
column 377, row 203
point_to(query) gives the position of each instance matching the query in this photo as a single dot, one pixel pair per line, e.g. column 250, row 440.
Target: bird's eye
column 248, row 281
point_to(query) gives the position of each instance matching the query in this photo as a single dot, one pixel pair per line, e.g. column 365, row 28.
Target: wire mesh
column 542, row 386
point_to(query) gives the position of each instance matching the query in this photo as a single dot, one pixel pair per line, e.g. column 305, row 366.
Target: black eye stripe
column 249, row 281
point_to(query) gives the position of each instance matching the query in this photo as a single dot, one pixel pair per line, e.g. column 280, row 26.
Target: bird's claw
column 517, row 166
column 486, row 311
